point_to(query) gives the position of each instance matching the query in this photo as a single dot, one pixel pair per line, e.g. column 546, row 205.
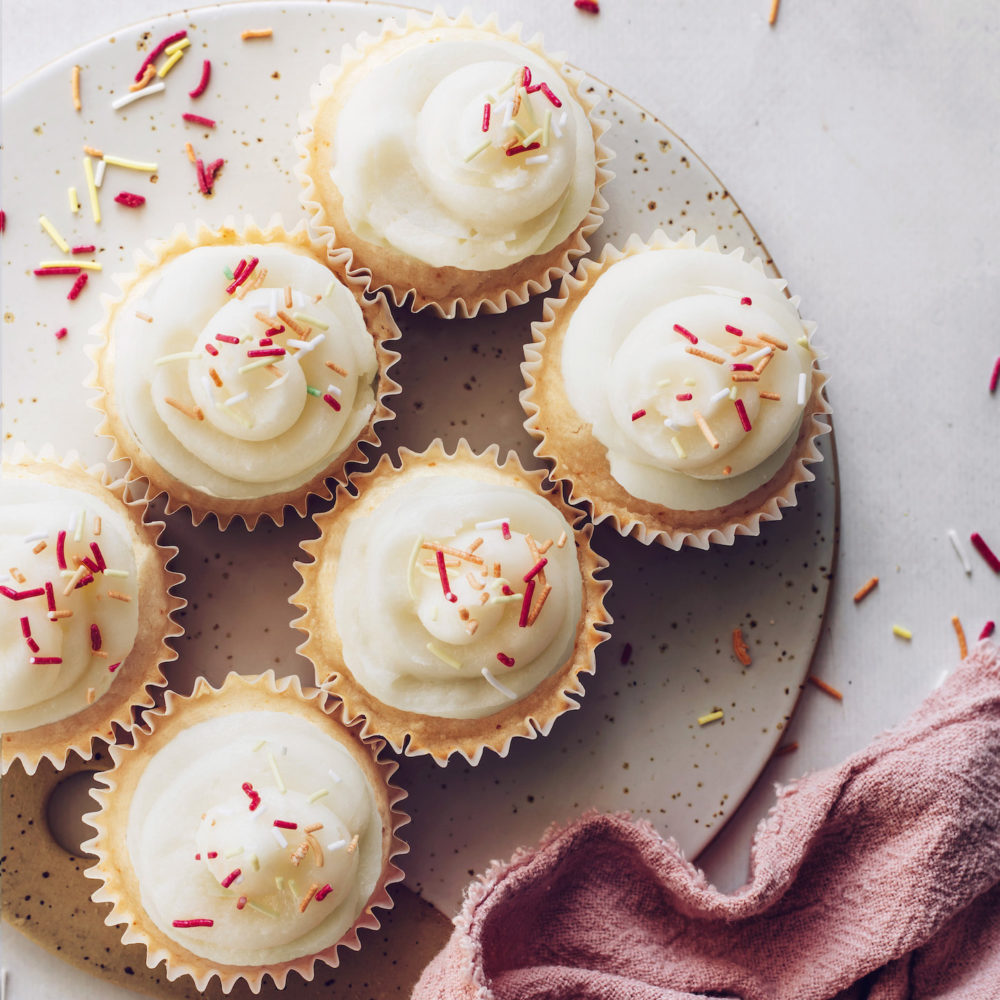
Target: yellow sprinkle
column 277, row 774
column 262, row 909
column 903, row 633
column 170, row 63
column 732, row 392
column 54, row 233
column 183, row 43
column 477, row 150
column 318, row 794
column 78, row 533
column 802, row 341
column 121, row 161
column 87, row 265
column 678, row 447
column 259, row 745
column 443, row 656
column 547, row 127
column 181, row 356
column 255, row 364
column 310, row 320
column 529, row 139
column 520, row 131
column 704, row 720
column 74, row 201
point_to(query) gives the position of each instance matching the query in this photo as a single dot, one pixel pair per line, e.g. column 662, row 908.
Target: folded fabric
column 877, row 879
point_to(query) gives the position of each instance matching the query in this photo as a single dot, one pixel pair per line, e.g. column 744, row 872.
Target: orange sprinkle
column 144, row 317
column 866, row 590
column 91, row 695
column 312, row 828
column 81, row 571
column 544, row 547
column 55, row 616
column 308, row 897
column 17, row 574
column 99, row 652
column 336, row 368
column 706, row 431
column 256, row 33
column 288, row 296
column 517, row 103
column 471, row 626
column 537, row 609
column 76, row 88
column 561, row 541
column 302, row 331
column 699, row 353
column 463, row 613
column 265, row 319
column 189, row 149
column 473, row 582
column 763, row 363
column 727, row 470
column 496, row 570
column 963, row 646
column 97, row 524
column 740, row 647
column 119, row 596
column 38, row 548
column 474, row 544
column 770, row 395
column 746, row 377
column 215, row 377
column 275, row 371
column 98, row 154
column 826, row 688
column 483, row 597
column 449, row 551
column 193, row 412
column 786, row 749
column 773, row 14
column 147, row 74
column 738, row 350
column 353, row 845
column 773, row 341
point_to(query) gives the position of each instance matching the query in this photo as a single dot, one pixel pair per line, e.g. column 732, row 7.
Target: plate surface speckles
column 635, row 743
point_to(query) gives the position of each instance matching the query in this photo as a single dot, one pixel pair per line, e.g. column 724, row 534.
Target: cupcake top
column 693, row 369
column 463, row 595
column 255, row 838
column 69, row 612
column 462, row 148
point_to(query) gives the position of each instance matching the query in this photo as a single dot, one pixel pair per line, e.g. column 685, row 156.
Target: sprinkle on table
column 988, row 630
column 198, row 120
column 626, row 653
column 901, row 632
column 122, row 161
column 985, row 551
column 740, row 647
column 75, row 88
column 772, row 14
column 145, row 80
column 206, row 74
column 788, row 748
column 590, row 6
column 130, row 200
column 154, row 88
column 995, row 377
column 175, row 58
column 158, row 49
column 54, row 233
column 865, row 590
column 963, row 646
column 704, row 720
column 61, row 333
column 250, row 33
column 825, row 688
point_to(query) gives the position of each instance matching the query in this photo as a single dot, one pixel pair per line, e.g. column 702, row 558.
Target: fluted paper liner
column 580, row 461
column 441, row 737
column 140, row 672
column 449, row 291
column 262, row 692
column 143, row 465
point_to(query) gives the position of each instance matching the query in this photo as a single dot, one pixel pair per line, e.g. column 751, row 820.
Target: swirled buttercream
column 255, row 838
column 693, row 368
column 456, row 597
column 243, row 370
column 68, row 609
column 462, row 148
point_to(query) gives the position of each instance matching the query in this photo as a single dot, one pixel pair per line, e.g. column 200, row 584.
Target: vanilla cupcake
column 675, row 390
column 84, row 609
column 248, row 834
column 241, row 370
column 455, row 161
column 453, row 604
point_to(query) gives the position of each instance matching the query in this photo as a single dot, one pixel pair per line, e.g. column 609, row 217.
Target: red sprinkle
column 203, row 183
column 265, row 342
column 590, row 6
column 90, row 564
column 86, row 581
column 741, row 367
column 285, row 825
column 514, row 150
column 985, row 551
column 685, row 333
column 95, row 637
column 323, row 893
column 529, row 592
column 77, row 286
column 26, row 627
column 226, row 338
column 506, row 591
column 995, row 377
column 21, row 595
column 130, row 200
column 443, row 573
column 536, row 569
column 638, row 414
column 45, row 659
column 746, row 301
column 987, row 630
column 734, row 330
column 683, row 397
column 196, row 922
column 742, row 411
column 197, row 857
column 274, row 330
column 243, row 275
column 156, row 51
column 50, row 596
column 61, row 550
column 544, row 88
column 212, row 169
column 507, row 661
column 241, row 902
column 206, row 73
column 212, row 854
column 269, row 352
column 505, row 531
column 252, row 793
column 90, row 248
column 526, row 77
column 3, row 221
column 486, row 116
column 114, row 667
column 198, row 120
column 61, row 333
column 32, row 645
column 99, row 556
column 231, row 878
column 331, row 400
column 44, row 272
column 212, row 349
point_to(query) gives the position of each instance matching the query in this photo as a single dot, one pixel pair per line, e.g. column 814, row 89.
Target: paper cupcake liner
column 114, row 869
column 448, row 291
column 414, row 734
column 580, row 461
column 144, row 466
column 140, row 672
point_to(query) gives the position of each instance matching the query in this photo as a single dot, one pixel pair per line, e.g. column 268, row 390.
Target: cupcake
column 240, row 370
column 84, row 609
column 248, row 834
column 455, row 161
column 675, row 390
column 453, row 604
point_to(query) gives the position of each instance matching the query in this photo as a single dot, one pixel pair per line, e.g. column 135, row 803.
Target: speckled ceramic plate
column 635, row 743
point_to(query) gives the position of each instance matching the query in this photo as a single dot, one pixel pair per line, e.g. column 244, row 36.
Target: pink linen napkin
column 879, row 878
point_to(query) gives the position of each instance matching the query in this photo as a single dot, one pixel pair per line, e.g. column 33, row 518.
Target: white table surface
column 861, row 142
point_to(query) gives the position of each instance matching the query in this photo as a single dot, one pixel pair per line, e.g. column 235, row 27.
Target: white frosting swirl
column 193, row 822
column 247, row 424
column 68, row 673
column 418, row 649
column 418, row 173
column 681, row 429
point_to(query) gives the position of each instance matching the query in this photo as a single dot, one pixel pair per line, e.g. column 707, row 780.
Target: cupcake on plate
column 453, row 604
column 675, row 390
column 239, row 370
column 457, row 162
column 85, row 609
column 249, row 834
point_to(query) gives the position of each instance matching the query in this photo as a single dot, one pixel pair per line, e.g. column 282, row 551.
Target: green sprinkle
column 181, row 356
column 318, row 794
column 277, row 774
column 547, row 127
column 443, row 656
column 678, row 447
column 529, row 139
column 477, row 150
column 802, row 341
column 313, row 391
column 262, row 909
column 519, row 130
column 311, row 320
column 258, row 363
column 228, row 273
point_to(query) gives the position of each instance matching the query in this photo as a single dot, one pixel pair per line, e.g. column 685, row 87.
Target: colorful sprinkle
column 995, row 377
column 740, row 647
column 195, row 922
column 825, row 688
column 988, row 630
column 742, row 411
column 256, row 33
column 529, row 591
column 321, row 894
column 158, row 50
column 231, row 878
column 901, row 632
column 507, row 661
column 61, row 333
column 493, row 682
column 590, row 6
column 198, row 120
column 54, row 234
column 963, row 647
column 284, row 824
column 685, row 333
column 704, row 720
column 866, row 590
column 77, row 286
column 985, row 551
column 206, row 73
column 126, row 99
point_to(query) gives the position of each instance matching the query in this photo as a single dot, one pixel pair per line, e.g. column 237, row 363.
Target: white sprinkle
column 757, row 355
column 153, row 88
column 78, row 533
column 721, row 394
column 278, row 837
column 801, row 398
column 336, row 845
column 335, row 776
column 233, row 851
column 491, row 525
column 669, row 424
column 181, row 356
column 71, row 523
column 238, row 398
column 690, row 381
column 502, row 688
column 310, row 320
column 541, row 158
column 275, row 304
column 663, row 383
column 36, row 536
column 563, row 118
column 123, row 573
column 307, row 345
column 99, row 173
column 280, row 381
column 330, row 288
column 966, row 565
column 508, row 109
column 284, row 751
column 334, row 391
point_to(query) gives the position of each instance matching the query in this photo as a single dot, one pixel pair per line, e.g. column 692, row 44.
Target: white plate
column 635, row 743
